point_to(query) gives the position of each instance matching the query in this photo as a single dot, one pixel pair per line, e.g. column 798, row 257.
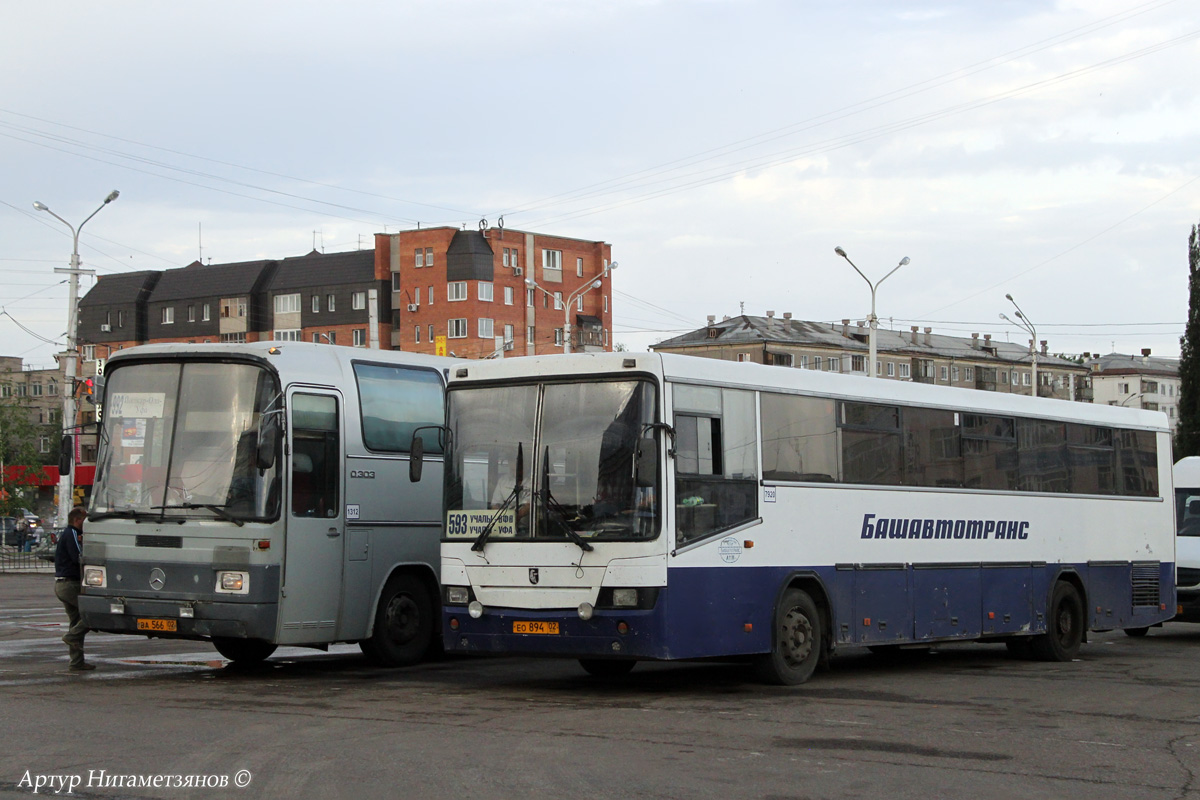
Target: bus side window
column 716, row 464
column 316, row 453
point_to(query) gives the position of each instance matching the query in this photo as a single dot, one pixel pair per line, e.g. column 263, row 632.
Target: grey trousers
column 68, row 593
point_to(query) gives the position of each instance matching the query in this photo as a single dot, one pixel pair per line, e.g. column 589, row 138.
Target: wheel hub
column 796, row 637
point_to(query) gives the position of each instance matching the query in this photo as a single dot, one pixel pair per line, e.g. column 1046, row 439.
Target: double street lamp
column 872, row 319
column 594, row 283
column 1024, row 323
column 68, row 420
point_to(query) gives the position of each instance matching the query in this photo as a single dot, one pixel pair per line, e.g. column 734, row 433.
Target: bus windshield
column 553, row 462
column 181, row 439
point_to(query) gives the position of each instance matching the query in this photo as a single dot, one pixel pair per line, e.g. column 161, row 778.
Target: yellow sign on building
column 439, row 345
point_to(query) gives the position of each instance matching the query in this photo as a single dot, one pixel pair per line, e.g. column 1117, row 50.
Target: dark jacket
column 66, row 557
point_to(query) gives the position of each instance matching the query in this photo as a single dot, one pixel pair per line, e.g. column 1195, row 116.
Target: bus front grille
column 159, row 541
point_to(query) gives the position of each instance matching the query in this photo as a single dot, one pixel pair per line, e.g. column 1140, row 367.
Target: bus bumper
column 209, row 619
column 597, row 637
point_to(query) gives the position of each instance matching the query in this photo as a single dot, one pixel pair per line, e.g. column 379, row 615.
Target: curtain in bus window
column 989, row 446
column 1137, row 454
column 799, row 438
column 716, row 463
column 871, row 444
column 1041, row 456
column 1091, row 459
column 394, row 402
column 932, row 448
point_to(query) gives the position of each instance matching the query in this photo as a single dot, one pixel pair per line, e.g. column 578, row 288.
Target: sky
column 1047, row 150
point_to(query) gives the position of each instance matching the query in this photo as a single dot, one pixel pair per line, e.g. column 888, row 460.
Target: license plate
column 167, row 625
column 535, row 627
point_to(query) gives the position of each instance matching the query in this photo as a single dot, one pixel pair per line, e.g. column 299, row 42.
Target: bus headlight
column 475, row 609
column 457, row 595
column 95, row 576
column 625, row 598
column 585, row 611
column 233, row 582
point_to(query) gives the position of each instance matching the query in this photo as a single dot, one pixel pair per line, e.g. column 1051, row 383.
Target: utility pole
column 74, row 271
column 873, row 320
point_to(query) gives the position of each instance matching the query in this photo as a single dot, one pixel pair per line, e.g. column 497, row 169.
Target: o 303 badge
column 469, row 524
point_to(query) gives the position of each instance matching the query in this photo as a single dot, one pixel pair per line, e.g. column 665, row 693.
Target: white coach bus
column 618, row 507
column 257, row 495
column 1187, row 545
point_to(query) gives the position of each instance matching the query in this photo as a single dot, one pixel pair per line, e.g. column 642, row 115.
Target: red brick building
column 477, row 293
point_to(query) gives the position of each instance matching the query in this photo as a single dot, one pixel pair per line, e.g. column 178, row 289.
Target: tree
column 1187, row 438
column 19, row 459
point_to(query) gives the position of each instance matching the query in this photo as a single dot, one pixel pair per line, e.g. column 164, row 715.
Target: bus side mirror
column 66, row 450
column 268, row 444
column 646, row 463
column 416, row 458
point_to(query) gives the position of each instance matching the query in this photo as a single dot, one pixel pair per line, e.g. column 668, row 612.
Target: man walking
column 67, row 585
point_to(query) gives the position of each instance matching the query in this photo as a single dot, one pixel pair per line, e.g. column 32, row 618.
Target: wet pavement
column 964, row 721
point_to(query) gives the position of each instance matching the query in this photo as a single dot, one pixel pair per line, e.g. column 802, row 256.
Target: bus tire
column 403, row 623
column 796, row 641
column 607, row 667
column 1064, row 627
column 1137, row 633
column 243, row 651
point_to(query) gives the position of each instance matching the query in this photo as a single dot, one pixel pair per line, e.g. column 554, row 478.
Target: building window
column 485, row 291
column 486, row 328
column 905, row 370
column 358, row 301
column 120, row 319
column 417, row 296
column 558, row 337
column 804, row 362
column 21, row 389
column 419, row 258
column 552, row 259
column 287, row 303
column 6, row 389
column 456, row 328
column 508, row 295
column 579, row 267
column 1123, row 388
column 52, row 388
column 857, row 363
column 316, row 304
column 579, row 303
column 429, row 297
column 605, row 304
column 515, row 263
column 1004, row 377
column 36, row 390
column 44, row 444
column 529, row 334
column 168, row 315
column 431, row 333
column 206, row 312
column 429, row 256
column 558, row 301
column 508, row 334
column 506, row 256
column 1024, row 378
column 891, row 369
column 395, row 281
column 89, row 352
column 191, row 313
column 835, row 365
column 954, row 373
column 417, row 334
column 456, row 291
column 316, row 338
column 229, row 308
column 944, row 372
column 235, row 338
column 529, row 297
column 970, row 373
column 330, row 302
column 359, row 337
column 287, row 335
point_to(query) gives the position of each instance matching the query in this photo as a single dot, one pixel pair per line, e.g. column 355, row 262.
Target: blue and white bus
column 256, row 495
column 620, row 507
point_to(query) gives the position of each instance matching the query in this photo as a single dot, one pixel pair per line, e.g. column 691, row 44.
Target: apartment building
column 1140, row 381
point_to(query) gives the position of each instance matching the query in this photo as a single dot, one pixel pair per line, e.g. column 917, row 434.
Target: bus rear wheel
column 1064, row 630
column 796, row 645
column 243, row 651
column 607, row 667
column 403, row 623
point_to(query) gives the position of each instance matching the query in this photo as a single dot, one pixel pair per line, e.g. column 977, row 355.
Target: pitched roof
column 323, row 269
column 750, row 330
column 123, row 287
column 198, row 280
column 1123, row 364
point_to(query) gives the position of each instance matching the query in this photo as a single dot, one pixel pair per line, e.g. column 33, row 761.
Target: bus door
column 312, row 572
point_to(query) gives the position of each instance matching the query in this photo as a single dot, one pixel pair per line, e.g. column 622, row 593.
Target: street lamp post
column 68, row 420
column 594, row 283
column 872, row 319
column 1026, row 324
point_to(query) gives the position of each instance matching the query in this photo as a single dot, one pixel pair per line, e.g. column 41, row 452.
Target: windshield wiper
column 481, row 540
column 218, row 510
column 553, row 506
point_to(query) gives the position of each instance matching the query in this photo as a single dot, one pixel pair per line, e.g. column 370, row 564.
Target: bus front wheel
column 796, row 646
column 243, row 651
column 1064, row 629
column 403, row 623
